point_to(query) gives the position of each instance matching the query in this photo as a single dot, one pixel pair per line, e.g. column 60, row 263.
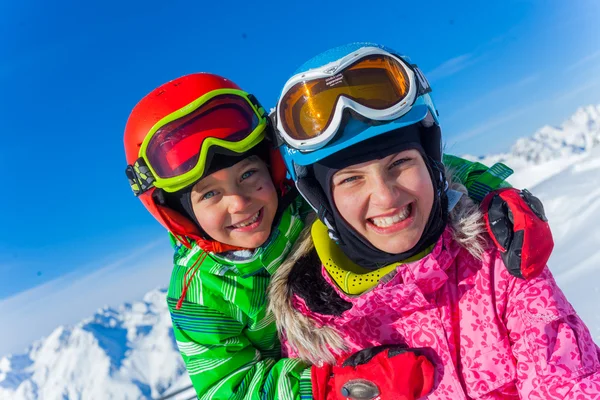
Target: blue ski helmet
column 355, row 131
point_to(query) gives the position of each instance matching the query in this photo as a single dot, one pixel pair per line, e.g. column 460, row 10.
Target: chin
column 396, row 246
column 253, row 241
column 259, row 240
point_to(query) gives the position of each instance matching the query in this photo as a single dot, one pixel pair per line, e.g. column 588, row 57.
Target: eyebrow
column 346, row 171
column 245, row 162
column 249, row 160
column 343, row 174
column 202, row 185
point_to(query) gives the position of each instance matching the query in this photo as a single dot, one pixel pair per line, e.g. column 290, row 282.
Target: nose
column 384, row 193
column 238, row 202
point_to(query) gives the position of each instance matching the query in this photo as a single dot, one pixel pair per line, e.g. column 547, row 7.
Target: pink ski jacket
column 490, row 335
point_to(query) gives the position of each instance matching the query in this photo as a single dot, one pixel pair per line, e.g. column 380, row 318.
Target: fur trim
column 467, row 223
column 306, row 281
column 312, row 343
column 320, row 344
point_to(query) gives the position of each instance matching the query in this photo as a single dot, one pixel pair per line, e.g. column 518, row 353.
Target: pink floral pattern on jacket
column 490, row 335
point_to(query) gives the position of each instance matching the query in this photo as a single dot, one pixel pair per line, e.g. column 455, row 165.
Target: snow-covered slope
column 572, row 202
column 124, row 353
column 551, row 149
column 130, row 353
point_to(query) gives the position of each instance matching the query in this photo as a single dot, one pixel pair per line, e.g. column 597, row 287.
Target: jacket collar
column 348, row 276
column 429, row 273
column 273, row 252
column 407, row 286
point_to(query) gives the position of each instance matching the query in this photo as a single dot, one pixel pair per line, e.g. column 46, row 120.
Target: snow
column 572, row 202
column 66, row 300
column 129, row 352
column 123, row 353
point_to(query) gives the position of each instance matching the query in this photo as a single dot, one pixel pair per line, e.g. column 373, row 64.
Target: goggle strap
column 276, row 136
column 140, row 177
column 424, row 86
column 257, row 104
column 278, row 139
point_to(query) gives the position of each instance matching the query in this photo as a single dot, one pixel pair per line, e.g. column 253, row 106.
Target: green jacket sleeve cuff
column 478, row 178
column 306, row 385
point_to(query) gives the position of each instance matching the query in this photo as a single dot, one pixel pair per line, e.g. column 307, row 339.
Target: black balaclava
column 181, row 201
column 354, row 245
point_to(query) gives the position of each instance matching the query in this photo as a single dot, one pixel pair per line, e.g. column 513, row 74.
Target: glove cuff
column 321, row 382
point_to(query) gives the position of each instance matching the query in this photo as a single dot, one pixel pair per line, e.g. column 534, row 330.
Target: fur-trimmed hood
column 315, row 342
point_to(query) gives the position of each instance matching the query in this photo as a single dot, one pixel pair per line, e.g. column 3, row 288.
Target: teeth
column 385, row 222
column 249, row 222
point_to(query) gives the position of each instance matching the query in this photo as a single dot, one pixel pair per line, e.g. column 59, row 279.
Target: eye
column 348, row 180
column 248, row 174
column 399, row 162
column 209, row 195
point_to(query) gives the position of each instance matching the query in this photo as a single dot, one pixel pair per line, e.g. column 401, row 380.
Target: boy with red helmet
column 199, row 162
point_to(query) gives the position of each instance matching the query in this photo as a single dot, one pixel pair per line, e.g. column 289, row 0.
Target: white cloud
column 450, row 67
column 490, row 124
column 34, row 313
column 584, row 60
column 569, row 94
column 508, row 115
column 504, row 90
column 458, row 63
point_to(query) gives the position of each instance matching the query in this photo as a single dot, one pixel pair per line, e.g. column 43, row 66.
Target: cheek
column 349, row 204
column 264, row 189
column 210, row 217
column 423, row 188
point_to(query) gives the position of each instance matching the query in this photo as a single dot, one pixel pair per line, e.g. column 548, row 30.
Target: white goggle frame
column 329, row 70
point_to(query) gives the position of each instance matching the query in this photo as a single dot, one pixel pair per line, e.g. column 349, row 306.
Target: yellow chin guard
column 350, row 277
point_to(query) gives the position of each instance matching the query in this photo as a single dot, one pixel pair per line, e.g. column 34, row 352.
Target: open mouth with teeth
column 394, row 222
column 248, row 224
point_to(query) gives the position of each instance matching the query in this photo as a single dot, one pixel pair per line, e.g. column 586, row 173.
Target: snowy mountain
column 124, row 353
column 577, row 135
column 551, row 149
column 130, row 352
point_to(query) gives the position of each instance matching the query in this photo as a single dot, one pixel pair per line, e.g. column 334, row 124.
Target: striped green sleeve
column 223, row 363
column 478, row 178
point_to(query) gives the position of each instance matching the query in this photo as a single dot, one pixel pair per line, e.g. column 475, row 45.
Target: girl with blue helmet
column 398, row 273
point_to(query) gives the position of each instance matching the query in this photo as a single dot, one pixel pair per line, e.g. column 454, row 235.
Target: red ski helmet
column 154, row 107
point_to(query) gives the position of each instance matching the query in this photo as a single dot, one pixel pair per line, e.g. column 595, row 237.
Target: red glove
column 381, row 373
column 518, row 226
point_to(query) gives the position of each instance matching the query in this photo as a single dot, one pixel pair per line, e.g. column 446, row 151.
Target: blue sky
column 72, row 71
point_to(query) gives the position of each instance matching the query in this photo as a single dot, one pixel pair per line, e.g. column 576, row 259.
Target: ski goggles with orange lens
column 176, row 151
column 371, row 82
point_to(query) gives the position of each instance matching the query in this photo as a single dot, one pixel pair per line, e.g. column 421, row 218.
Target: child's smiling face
column 387, row 201
column 237, row 205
